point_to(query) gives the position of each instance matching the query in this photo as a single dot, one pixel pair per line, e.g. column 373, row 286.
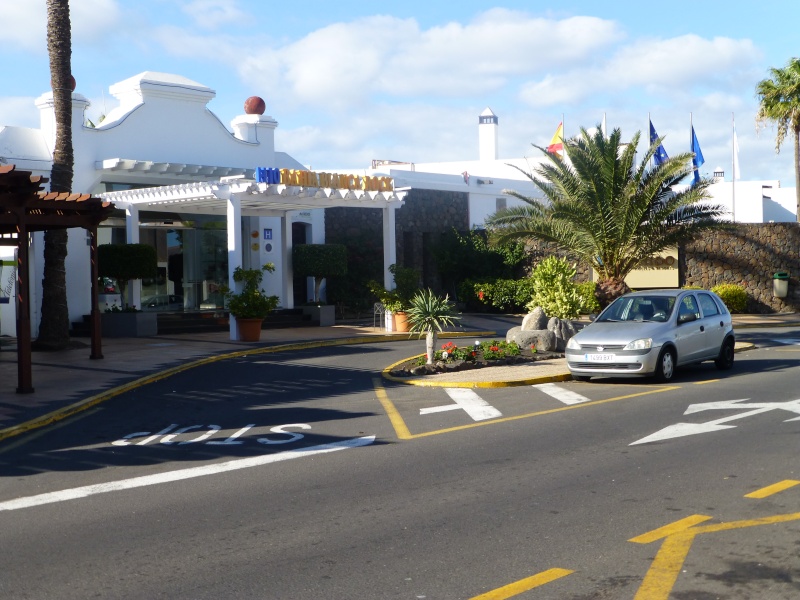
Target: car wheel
column 725, row 359
column 665, row 368
column 581, row 377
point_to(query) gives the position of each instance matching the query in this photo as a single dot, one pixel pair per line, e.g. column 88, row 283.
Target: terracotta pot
column 249, row 329
column 401, row 322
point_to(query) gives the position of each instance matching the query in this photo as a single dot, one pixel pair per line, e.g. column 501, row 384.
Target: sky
column 349, row 82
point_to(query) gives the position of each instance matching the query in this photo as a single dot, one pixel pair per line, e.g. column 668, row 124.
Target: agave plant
column 428, row 314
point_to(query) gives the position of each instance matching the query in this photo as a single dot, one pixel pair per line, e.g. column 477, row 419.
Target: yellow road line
column 666, row 567
column 773, row 489
column 394, row 416
column 678, row 539
column 402, row 431
column 523, row 585
column 668, row 530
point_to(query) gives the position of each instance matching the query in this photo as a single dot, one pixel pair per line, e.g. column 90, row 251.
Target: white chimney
column 487, row 135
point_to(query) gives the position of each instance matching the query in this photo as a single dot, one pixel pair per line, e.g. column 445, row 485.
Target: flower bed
column 478, row 356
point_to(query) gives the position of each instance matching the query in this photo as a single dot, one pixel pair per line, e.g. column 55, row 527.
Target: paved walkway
column 69, row 381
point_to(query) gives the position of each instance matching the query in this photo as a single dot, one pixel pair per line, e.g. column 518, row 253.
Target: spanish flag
column 556, row 145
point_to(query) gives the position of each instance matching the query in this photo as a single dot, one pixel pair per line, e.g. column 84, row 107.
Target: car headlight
column 642, row 344
column 573, row 345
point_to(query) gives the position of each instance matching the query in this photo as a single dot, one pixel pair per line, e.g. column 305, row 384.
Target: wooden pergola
column 26, row 208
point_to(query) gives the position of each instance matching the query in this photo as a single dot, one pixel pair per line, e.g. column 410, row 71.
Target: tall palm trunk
column 54, row 325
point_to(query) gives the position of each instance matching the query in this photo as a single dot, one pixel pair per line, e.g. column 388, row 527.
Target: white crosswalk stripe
column 561, row 394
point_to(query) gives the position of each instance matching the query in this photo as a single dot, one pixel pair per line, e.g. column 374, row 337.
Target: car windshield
column 639, row 308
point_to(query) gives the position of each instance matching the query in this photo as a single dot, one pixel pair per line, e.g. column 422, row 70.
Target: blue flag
column 697, row 159
column 661, row 155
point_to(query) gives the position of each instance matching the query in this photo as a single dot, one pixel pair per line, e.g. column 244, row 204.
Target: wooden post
column 24, row 366
column 94, row 323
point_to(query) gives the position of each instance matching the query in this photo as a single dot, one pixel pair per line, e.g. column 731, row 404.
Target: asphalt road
column 304, row 475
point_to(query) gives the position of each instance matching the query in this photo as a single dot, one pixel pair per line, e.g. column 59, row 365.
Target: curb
column 567, row 376
column 87, row 403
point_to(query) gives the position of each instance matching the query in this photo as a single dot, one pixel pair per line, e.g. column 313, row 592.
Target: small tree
column 319, row 261
column 124, row 262
column 429, row 314
column 252, row 302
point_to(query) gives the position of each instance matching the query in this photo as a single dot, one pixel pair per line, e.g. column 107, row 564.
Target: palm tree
column 779, row 101
column 605, row 211
column 54, row 325
column 429, row 314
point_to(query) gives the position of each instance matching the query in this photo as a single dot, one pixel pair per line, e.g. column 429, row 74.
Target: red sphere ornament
column 72, row 83
column 254, row 106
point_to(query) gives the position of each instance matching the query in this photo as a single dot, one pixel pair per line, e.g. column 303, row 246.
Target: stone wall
column 749, row 255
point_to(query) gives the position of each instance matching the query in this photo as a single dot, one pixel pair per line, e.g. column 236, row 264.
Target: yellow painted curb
column 425, row 382
column 87, row 403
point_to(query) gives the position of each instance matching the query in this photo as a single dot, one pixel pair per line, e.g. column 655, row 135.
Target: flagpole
column 733, row 167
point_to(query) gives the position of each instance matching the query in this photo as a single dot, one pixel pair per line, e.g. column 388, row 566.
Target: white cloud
column 670, row 68
column 19, row 111
column 214, row 14
column 24, row 26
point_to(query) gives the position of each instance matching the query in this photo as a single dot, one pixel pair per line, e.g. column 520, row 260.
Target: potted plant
column 428, row 314
column 124, row 262
column 251, row 305
column 320, row 261
column 398, row 300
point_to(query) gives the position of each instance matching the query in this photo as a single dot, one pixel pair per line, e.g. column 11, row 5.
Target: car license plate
column 600, row 357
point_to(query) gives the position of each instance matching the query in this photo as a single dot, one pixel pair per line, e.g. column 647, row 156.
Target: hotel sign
column 301, row 178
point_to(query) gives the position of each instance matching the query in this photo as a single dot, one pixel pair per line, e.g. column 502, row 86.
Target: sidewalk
column 69, row 381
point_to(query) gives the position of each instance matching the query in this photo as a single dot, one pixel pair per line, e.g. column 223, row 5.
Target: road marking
column 170, row 476
column 523, row 585
column 670, row 529
column 561, row 394
column 684, row 429
column 667, row 565
column 773, row 489
column 475, row 406
column 403, row 433
column 468, row 401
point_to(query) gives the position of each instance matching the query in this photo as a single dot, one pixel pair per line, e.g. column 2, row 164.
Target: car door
column 713, row 325
column 689, row 338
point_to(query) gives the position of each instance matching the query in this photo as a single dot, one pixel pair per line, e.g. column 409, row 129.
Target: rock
column 535, row 320
column 563, row 330
column 544, row 339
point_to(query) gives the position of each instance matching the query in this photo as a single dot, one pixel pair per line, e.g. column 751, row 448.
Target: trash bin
column 780, row 284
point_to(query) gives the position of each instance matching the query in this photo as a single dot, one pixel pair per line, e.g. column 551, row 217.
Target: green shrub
column 734, row 296
column 504, row 295
column 319, row 261
column 589, row 303
column 555, row 290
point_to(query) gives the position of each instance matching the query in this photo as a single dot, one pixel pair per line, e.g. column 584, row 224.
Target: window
column 708, row 305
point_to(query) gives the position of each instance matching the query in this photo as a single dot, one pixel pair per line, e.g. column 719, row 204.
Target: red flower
column 480, row 295
column 494, row 348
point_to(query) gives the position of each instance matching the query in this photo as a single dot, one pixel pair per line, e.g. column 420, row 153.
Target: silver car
column 650, row 333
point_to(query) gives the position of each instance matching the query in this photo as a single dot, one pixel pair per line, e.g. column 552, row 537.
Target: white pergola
column 237, row 197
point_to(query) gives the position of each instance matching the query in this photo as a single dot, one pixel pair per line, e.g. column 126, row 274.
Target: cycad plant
column 428, row 314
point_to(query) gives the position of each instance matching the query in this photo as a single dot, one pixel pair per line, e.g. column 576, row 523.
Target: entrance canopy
column 237, row 197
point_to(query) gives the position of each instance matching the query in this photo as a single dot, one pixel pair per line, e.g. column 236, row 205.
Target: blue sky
column 350, row 81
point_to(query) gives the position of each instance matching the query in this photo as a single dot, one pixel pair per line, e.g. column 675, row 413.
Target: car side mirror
column 686, row 318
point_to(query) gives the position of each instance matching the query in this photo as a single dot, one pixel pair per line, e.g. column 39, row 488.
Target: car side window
column 708, row 305
column 688, row 307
